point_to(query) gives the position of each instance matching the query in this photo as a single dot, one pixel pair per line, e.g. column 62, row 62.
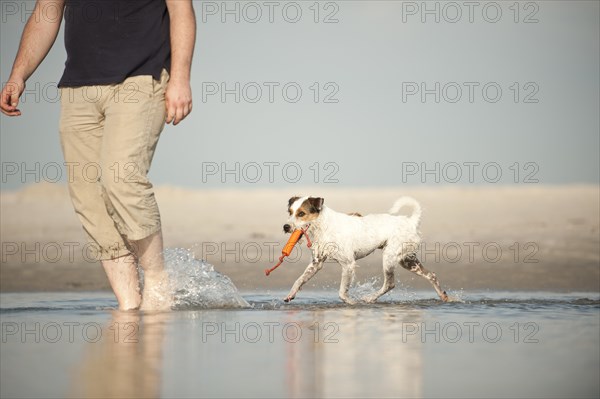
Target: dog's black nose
column 287, row 228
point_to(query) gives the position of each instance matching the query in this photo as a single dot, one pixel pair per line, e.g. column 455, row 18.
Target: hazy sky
column 353, row 101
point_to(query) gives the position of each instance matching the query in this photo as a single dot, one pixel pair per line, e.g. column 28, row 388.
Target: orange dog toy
column 289, row 246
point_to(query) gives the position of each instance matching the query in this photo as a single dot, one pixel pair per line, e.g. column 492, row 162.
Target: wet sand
column 523, row 321
column 528, row 237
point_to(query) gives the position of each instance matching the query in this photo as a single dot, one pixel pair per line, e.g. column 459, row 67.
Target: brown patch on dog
column 355, row 214
column 290, row 202
column 309, row 209
column 316, row 203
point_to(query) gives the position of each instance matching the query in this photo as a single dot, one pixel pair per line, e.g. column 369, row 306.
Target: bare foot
column 157, row 292
column 122, row 274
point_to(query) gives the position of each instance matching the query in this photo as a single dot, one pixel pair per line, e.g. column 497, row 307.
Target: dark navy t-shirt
column 108, row 41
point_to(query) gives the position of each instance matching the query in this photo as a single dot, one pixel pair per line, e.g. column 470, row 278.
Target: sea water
column 218, row 342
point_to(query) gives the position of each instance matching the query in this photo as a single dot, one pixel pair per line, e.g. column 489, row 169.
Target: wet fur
column 346, row 238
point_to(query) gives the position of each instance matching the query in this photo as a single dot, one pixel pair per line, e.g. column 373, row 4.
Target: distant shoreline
column 548, row 236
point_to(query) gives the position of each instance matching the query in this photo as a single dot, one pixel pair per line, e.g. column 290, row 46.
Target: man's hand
column 178, row 99
column 178, row 96
column 9, row 98
column 37, row 39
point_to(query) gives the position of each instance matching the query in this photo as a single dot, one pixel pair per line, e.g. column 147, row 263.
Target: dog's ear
column 292, row 200
column 316, row 204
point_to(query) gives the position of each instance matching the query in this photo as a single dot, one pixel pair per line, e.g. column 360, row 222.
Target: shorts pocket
column 138, row 86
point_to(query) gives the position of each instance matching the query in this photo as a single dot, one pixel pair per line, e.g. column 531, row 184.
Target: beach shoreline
column 538, row 238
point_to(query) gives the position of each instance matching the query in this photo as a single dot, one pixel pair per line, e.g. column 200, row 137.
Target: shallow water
column 492, row 344
column 220, row 343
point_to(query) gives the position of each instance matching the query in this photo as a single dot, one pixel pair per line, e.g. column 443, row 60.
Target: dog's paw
column 370, row 298
column 289, row 298
column 348, row 300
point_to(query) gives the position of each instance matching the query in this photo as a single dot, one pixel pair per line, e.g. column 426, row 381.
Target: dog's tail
column 401, row 202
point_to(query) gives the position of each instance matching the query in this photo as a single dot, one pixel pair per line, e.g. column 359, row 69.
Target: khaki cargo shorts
column 108, row 136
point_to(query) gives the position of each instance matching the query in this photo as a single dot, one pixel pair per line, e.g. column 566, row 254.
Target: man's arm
column 38, row 37
column 178, row 96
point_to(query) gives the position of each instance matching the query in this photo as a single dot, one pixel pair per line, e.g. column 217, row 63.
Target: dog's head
column 303, row 211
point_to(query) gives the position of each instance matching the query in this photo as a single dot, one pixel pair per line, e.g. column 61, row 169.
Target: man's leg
column 81, row 133
column 124, row 279
column 134, row 121
column 157, row 291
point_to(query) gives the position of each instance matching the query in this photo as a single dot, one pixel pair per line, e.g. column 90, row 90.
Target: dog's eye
column 300, row 214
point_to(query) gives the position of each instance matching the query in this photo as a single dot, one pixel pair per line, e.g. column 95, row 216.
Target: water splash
column 361, row 289
column 456, row 296
column 196, row 284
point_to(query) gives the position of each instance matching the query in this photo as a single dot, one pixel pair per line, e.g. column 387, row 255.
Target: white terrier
column 346, row 238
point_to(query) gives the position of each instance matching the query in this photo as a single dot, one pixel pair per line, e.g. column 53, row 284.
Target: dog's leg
column 347, row 277
column 309, row 273
column 414, row 265
column 389, row 281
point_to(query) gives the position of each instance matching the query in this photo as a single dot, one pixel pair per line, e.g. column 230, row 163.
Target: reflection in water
column 369, row 358
column 126, row 361
column 344, row 351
